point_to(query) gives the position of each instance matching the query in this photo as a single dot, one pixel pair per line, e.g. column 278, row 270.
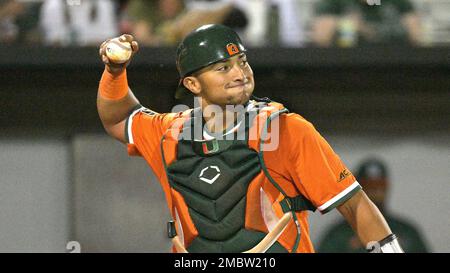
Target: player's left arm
column 369, row 224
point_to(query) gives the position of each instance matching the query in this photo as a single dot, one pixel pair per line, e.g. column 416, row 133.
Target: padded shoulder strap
column 292, row 204
column 297, row 203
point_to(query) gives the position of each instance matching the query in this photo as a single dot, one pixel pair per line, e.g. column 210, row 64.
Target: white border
column 339, row 196
column 130, row 124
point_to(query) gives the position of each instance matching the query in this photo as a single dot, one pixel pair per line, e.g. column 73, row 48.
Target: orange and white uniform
column 302, row 164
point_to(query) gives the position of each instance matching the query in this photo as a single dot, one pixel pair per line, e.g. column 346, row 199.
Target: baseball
column 118, row 52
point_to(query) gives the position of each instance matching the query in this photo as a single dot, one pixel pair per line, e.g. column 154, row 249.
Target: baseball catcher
column 239, row 173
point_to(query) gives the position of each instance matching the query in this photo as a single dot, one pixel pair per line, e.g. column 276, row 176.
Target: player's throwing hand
column 114, row 52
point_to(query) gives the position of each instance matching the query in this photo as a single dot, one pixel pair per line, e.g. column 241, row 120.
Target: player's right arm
column 115, row 100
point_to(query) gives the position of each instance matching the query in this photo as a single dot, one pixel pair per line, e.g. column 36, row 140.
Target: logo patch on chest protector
column 209, row 174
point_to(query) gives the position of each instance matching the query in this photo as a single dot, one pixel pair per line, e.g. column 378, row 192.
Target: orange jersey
column 303, row 163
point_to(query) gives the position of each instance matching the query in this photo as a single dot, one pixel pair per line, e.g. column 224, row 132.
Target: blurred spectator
column 166, row 22
column 272, row 22
column 349, row 23
column 372, row 174
column 290, row 30
column 236, row 18
column 150, row 20
column 86, row 22
column 19, row 22
column 124, row 22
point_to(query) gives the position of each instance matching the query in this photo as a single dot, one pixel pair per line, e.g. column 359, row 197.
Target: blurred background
column 372, row 76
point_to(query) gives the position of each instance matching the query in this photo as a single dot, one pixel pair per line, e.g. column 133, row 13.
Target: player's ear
column 193, row 84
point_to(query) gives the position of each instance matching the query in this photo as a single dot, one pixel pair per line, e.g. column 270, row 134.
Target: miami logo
column 232, row 49
column 210, row 147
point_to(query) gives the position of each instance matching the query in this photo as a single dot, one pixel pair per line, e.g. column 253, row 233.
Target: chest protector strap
column 288, row 204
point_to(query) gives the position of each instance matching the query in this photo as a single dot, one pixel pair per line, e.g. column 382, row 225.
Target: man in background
column 167, row 22
column 373, row 176
column 348, row 23
column 19, row 22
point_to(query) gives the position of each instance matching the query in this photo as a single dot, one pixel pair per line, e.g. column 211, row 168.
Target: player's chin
column 240, row 96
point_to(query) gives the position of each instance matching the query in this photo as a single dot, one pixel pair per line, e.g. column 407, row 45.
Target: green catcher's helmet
column 204, row 46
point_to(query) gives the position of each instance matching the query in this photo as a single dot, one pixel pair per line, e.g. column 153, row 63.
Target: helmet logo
column 232, row 49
